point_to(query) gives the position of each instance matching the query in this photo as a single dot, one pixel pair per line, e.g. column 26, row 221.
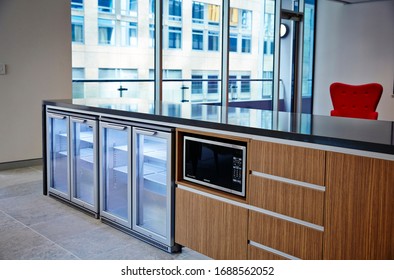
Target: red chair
column 355, row 101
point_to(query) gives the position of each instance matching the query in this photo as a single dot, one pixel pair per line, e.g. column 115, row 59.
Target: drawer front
column 287, row 199
column 255, row 253
column 285, row 236
column 211, row 227
column 296, row 163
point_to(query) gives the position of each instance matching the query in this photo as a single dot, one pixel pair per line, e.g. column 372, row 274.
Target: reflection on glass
column 116, row 171
column 59, row 154
column 84, row 162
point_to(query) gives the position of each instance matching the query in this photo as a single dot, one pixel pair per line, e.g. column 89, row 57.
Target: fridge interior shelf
column 86, row 155
column 121, row 148
column 86, row 137
column 122, row 169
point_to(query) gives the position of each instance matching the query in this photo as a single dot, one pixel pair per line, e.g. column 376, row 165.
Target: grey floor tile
column 38, row 227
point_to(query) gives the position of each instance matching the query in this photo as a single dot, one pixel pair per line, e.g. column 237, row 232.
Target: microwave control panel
column 237, row 170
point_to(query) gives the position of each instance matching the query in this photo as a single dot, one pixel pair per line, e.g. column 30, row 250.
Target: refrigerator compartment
column 149, row 168
column 156, row 183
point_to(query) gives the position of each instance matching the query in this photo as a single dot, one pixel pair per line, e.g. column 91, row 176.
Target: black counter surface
column 359, row 134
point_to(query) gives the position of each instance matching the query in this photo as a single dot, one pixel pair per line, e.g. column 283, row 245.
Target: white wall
column 35, row 46
column 354, row 44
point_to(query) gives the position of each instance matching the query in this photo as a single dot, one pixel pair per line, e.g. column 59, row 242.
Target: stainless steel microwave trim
column 218, row 143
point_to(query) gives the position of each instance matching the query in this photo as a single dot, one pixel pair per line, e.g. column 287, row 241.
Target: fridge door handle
column 55, row 116
column 146, row 132
column 116, row 127
column 80, row 120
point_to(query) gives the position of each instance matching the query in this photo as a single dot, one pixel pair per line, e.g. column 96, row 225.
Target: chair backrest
column 355, row 101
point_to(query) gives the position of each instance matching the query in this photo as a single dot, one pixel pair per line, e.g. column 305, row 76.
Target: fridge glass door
column 84, row 163
column 116, row 181
column 152, row 184
column 58, row 152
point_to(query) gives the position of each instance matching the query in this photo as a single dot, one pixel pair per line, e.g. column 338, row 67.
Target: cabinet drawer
column 255, row 253
column 287, row 199
column 285, row 236
column 296, row 163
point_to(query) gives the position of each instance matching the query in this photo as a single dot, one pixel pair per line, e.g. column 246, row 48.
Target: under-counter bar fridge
column 153, row 185
column 73, row 159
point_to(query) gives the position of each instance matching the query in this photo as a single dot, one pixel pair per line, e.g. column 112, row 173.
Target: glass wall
column 114, row 47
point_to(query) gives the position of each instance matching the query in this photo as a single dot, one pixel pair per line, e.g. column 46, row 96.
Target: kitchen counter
column 359, row 134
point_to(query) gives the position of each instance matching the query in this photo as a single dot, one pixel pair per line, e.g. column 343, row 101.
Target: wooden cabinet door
column 211, row 227
column 359, row 221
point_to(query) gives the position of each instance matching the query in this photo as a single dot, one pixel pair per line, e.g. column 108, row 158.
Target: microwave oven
column 215, row 164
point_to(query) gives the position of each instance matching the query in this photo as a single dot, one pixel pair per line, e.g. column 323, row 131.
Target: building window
column 77, row 29
column 245, row 83
column 232, row 83
column 213, row 40
column 174, row 37
column 151, row 35
column 198, row 39
column 106, row 32
column 213, row 14
column 246, row 19
column 246, row 44
column 175, row 10
column 213, row 86
column 233, row 17
column 129, row 7
column 106, row 6
column 233, row 43
column 77, row 4
column 197, row 85
column 268, row 47
column 198, row 12
column 129, row 34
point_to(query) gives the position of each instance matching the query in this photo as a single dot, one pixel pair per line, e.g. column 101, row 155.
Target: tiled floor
column 34, row 226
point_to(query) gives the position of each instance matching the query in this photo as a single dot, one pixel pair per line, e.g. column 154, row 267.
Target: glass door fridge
column 115, row 185
column 84, row 183
column 58, row 151
column 153, row 185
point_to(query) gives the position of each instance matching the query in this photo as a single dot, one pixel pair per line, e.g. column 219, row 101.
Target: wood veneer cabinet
column 285, row 236
column 211, row 227
column 359, row 222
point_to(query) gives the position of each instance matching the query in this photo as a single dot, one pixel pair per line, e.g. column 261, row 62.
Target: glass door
column 152, row 184
column 115, row 186
column 58, row 154
column 84, row 190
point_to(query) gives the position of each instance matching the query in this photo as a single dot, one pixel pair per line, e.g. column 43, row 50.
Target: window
column 213, row 14
column 213, row 40
column 106, row 32
column 129, row 7
column 106, row 6
column 198, row 39
column 77, row 4
column 246, row 46
column 233, row 43
column 233, row 17
column 129, row 34
column 246, row 19
column 197, row 85
column 174, row 37
column 268, row 47
column 151, row 9
column 77, row 29
column 117, row 73
column 232, row 83
column 245, row 83
column 198, row 12
column 213, row 84
column 175, row 10
column 151, row 35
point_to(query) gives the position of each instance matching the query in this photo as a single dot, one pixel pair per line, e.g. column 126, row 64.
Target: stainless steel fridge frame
column 103, row 213
column 168, row 239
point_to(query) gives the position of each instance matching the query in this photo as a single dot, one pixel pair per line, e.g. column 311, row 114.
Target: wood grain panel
column 211, row 227
column 296, row 163
column 255, row 253
column 287, row 199
column 359, row 208
column 293, row 239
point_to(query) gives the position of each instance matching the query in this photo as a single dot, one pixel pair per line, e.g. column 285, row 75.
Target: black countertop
column 359, row 134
